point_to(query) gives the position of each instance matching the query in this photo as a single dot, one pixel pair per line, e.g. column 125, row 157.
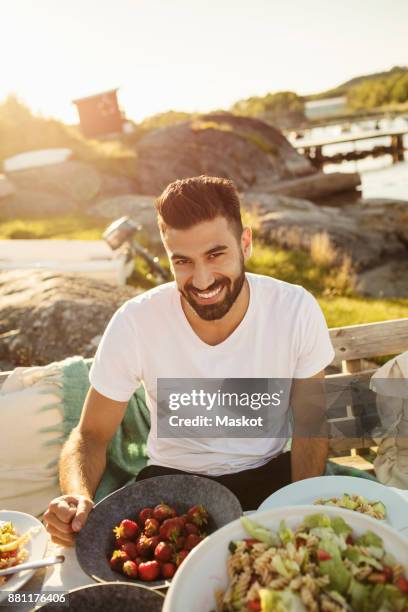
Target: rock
column 112, row 185
column 139, row 207
column 73, row 180
column 371, row 231
column 246, row 150
column 389, row 280
column 46, row 317
column 61, row 189
column 6, row 187
column 30, row 203
column 317, row 186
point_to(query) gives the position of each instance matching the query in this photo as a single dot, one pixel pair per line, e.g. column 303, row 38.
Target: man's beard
column 212, row 312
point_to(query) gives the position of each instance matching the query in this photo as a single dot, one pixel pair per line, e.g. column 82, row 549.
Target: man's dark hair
column 186, row 202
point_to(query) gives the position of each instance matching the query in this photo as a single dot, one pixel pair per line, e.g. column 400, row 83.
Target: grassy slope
column 339, row 303
column 73, row 227
column 341, row 90
column 340, row 311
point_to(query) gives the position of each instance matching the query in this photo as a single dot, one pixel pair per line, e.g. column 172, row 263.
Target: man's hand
column 66, row 515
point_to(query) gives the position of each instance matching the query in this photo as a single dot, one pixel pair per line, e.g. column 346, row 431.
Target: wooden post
column 351, row 366
column 318, row 157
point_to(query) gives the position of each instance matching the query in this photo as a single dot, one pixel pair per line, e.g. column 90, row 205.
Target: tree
column 378, row 92
column 284, row 108
column 399, row 92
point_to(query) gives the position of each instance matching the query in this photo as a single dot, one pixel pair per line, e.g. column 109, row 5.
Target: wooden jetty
column 313, row 149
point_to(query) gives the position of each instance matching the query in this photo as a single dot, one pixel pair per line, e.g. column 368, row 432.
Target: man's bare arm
column 310, row 445
column 83, row 457
column 308, row 457
column 82, row 463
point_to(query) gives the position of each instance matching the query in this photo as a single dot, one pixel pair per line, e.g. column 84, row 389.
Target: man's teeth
column 209, row 294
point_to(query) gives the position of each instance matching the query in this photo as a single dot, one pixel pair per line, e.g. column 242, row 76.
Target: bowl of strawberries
column 143, row 532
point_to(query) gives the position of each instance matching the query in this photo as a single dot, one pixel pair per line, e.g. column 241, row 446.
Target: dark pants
column 250, row 486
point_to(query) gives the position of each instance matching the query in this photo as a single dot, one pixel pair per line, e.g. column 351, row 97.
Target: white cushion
column 31, row 416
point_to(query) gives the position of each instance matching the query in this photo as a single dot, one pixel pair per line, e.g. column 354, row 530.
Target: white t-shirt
column 282, row 335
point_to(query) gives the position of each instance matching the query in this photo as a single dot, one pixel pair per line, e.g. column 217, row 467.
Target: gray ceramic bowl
column 95, row 542
column 111, row 597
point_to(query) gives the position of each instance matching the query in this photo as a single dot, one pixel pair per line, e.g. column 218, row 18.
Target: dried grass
column 322, row 251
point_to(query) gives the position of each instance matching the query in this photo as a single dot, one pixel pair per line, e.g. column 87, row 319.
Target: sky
column 191, row 55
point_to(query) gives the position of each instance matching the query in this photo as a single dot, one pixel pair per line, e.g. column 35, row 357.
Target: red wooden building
column 100, row 114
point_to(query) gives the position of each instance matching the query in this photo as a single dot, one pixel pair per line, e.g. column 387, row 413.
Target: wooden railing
column 354, row 343
column 355, row 347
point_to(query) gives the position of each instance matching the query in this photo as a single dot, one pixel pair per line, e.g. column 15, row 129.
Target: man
column 214, row 321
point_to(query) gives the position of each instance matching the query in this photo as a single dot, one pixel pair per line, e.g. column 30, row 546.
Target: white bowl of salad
column 295, row 559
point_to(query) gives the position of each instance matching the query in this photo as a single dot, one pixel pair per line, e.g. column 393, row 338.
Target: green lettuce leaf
column 285, row 533
column 357, row 557
column 259, row 532
column 348, row 503
column 360, row 594
column 340, row 526
column 370, row 539
column 317, row 520
column 280, row 601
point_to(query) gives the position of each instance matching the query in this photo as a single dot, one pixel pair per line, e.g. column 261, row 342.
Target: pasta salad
column 320, row 565
column 376, row 509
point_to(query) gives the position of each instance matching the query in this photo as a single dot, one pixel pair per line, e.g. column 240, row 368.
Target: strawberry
column 117, row 560
column 402, row 584
column 168, row 570
column 130, row 549
column 151, row 527
column 153, row 542
column 254, row 605
column 144, row 514
column 192, row 540
column 184, row 518
column 127, row 529
column 143, row 546
column 191, row 528
column 322, row 555
column 198, row 515
column 148, row 571
column 162, row 512
column 119, row 542
column 130, row 569
column 171, row 528
column 163, row 551
column 179, row 542
column 180, row 556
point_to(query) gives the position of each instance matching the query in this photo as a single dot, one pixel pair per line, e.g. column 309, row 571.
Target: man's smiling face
column 208, row 264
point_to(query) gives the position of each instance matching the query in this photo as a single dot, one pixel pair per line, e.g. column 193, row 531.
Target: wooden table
column 69, row 574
